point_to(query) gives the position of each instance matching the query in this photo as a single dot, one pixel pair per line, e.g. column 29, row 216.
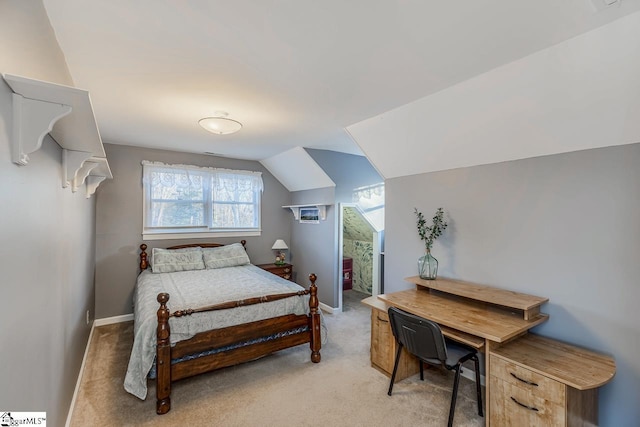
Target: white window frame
column 198, row 232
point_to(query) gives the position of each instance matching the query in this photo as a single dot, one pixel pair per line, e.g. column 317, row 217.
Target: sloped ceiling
column 297, row 171
column 579, row 94
column 296, row 73
column 356, row 227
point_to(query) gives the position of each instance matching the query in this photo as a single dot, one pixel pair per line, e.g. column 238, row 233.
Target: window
column 371, row 200
column 182, row 201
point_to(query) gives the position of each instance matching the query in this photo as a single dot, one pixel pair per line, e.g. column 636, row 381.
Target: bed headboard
column 144, row 260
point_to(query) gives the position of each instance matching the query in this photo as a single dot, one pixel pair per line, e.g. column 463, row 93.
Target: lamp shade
column 279, row 245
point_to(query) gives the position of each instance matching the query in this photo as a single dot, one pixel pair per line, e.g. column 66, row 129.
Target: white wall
column 564, row 227
column 48, row 237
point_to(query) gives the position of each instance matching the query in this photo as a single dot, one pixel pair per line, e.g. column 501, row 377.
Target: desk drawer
column 537, row 385
column 384, row 347
column 512, row 405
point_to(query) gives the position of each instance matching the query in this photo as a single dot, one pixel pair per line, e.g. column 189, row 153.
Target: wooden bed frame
column 219, row 338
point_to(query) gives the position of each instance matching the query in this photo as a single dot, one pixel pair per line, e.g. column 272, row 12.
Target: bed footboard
column 166, row 373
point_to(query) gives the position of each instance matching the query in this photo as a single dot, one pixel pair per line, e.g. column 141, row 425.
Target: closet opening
column 360, row 255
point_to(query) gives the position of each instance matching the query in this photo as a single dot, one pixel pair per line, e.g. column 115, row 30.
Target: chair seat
column 456, row 351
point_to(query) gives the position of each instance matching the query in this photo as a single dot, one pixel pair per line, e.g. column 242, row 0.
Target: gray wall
column 312, row 247
column 47, row 251
column 119, row 221
column 315, row 246
column 347, row 171
column 565, row 227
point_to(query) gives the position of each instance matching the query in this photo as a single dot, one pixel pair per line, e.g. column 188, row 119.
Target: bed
column 204, row 306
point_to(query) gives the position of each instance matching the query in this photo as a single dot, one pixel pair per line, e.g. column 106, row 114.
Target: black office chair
column 423, row 338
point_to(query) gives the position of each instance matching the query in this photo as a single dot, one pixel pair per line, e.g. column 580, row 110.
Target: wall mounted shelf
column 322, row 209
column 97, row 174
column 64, row 112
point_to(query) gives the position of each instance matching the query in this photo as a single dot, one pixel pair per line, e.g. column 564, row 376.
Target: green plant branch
column 429, row 234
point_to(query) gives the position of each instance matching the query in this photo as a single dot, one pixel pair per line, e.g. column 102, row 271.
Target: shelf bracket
column 93, row 181
column 296, row 212
column 97, row 174
column 72, row 161
column 322, row 211
column 82, row 174
column 32, row 120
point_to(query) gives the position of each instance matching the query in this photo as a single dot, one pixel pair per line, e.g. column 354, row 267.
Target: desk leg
column 487, row 407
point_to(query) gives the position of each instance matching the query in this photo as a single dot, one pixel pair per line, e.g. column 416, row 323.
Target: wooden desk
column 480, row 316
column 456, row 335
column 530, row 380
column 472, row 317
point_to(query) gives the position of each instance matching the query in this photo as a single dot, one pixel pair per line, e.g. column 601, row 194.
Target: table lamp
column 280, row 246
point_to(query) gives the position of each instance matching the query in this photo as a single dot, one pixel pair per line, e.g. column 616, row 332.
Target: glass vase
column 427, row 266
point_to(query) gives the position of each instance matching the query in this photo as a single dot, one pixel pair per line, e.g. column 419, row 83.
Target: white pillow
column 225, row 256
column 170, row 260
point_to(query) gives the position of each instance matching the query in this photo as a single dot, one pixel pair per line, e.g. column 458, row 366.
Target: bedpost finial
column 313, row 291
column 144, row 261
column 163, row 298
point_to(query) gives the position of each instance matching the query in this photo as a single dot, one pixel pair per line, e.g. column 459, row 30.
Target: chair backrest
column 421, row 337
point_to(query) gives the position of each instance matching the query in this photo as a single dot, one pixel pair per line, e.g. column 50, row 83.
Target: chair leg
column 395, row 369
column 454, row 394
column 478, row 385
column 421, row 371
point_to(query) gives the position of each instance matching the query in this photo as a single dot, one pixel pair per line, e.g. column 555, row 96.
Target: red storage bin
column 347, row 273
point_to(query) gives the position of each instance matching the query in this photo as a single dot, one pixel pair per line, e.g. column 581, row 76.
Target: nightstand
column 285, row 270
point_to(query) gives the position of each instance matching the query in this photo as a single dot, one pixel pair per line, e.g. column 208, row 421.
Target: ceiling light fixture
column 220, row 124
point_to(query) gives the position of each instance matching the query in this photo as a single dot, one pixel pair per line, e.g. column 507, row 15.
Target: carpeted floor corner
column 284, row 389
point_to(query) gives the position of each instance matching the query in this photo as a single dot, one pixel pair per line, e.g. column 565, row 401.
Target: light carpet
column 283, row 389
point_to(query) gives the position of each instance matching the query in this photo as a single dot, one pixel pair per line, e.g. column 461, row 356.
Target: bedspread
column 194, row 289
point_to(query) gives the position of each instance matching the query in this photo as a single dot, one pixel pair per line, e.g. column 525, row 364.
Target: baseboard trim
column 324, row 307
column 112, row 320
column 79, row 381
